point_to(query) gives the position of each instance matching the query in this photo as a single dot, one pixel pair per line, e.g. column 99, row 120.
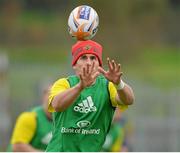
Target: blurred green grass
column 160, row 67
column 38, row 55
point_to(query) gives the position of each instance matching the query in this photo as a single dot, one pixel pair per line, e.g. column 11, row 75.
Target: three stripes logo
column 86, row 106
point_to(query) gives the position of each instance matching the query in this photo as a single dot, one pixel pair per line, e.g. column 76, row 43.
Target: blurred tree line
column 126, row 25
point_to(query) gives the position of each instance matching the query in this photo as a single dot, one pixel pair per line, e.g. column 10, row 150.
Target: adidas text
column 86, row 106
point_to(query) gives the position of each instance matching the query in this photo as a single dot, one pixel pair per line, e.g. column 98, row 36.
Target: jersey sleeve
column 25, row 128
column 59, row 86
column 113, row 94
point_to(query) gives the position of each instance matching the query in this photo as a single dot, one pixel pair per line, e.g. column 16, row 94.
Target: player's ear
column 74, row 67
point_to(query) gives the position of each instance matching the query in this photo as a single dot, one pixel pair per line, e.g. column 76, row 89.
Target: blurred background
column 144, row 36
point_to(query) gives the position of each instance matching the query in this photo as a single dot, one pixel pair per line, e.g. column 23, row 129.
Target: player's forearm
column 21, row 147
column 64, row 99
column 126, row 95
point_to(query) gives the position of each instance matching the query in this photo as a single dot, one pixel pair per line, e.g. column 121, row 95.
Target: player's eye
column 93, row 58
column 84, row 57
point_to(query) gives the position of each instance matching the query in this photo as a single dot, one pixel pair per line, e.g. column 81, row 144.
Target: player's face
column 83, row 61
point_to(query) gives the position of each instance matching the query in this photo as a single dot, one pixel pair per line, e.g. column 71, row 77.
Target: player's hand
column 114, row 73
column 88, row 76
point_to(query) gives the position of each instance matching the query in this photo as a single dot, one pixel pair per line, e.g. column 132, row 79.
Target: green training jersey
column 114, row 138
column 43, row 132
column 83, row 126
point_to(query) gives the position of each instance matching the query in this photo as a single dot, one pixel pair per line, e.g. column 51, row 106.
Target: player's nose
column 89, row 61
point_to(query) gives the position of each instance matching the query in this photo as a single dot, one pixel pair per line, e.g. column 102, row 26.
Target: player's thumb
column 101, row 70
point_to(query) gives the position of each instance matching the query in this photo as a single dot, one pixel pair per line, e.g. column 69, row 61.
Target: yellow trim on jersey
column 113, row 95
column 25, row 128
column 62, row 85
column 59, row 86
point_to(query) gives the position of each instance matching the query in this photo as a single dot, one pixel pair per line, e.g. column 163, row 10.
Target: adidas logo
column 86, row 106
